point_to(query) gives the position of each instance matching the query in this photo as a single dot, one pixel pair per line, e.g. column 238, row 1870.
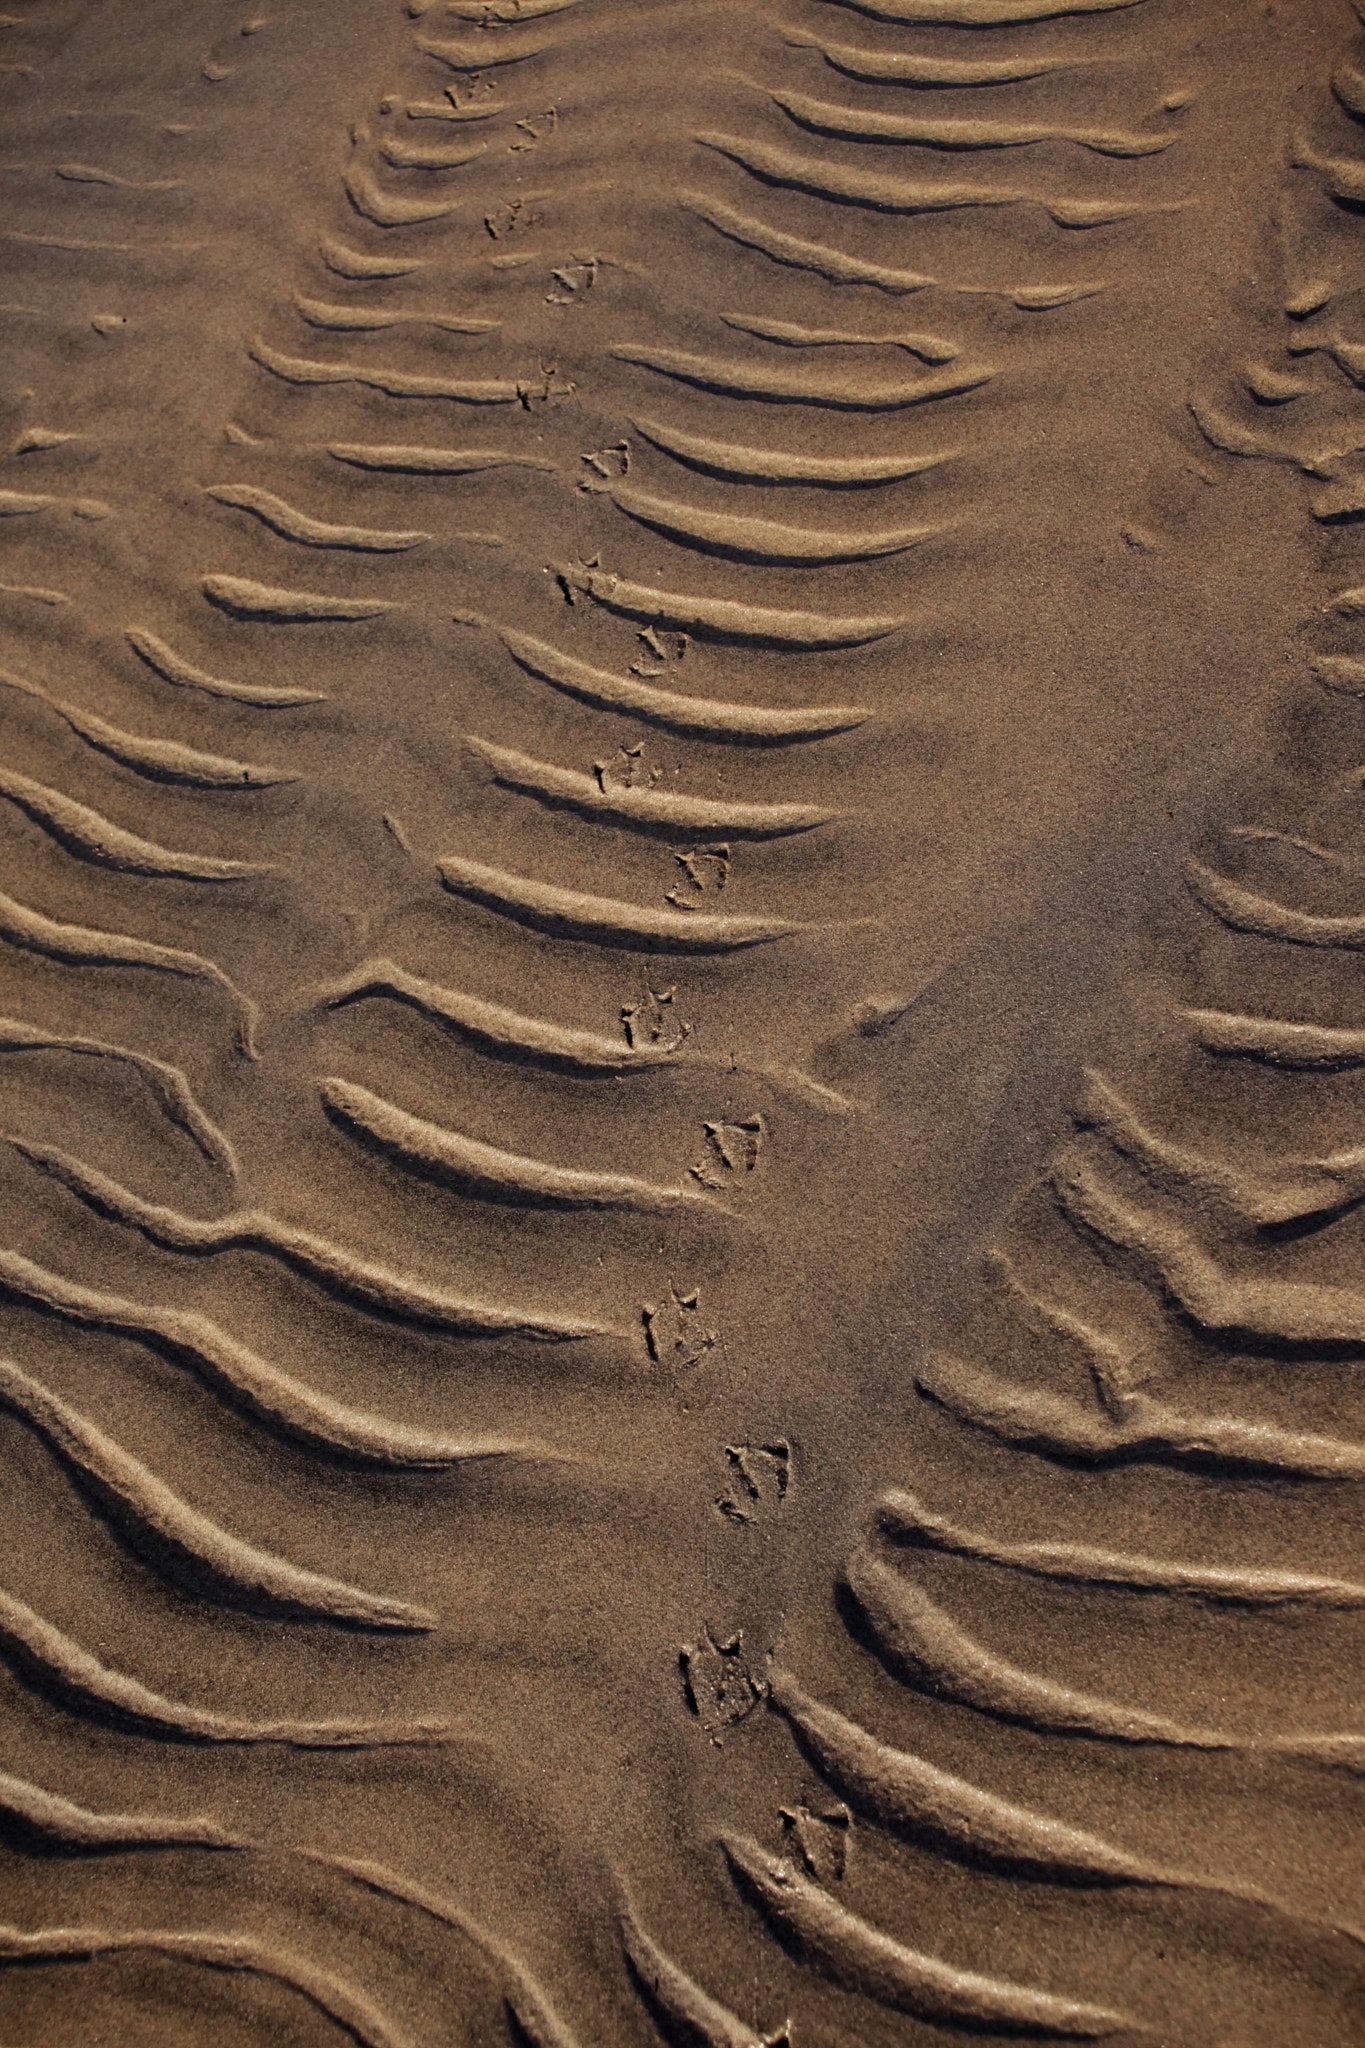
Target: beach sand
column 680, row 1022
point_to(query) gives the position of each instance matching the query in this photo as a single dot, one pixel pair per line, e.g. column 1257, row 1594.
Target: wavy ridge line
column 866, row 1961
column 982, row 13
column 168, row 1086
column 394, row 383
column 237, row 1375
column 185, row 1545
column 291, row 524
column 432, row 1149
column 655, row 810
column 1288, row 1312
column 740, row 464
column 570, row 914
column 759, row 723
column 902, row 1515
column 1244, row 910
column 329, row 1265
column 79, row 946
column 247, row 599
column 163, row 760
column 491, row 1025
column 58, row 1666
column 1133, row 1427
column 922, row 1644
column 740, row 379
column 57, row 1823
column 825, row 180
column 1301, row 1188
column 336, row 1998
column 556, row 1045
column 1280, row 1041
column 839, row 266
column 421, row 461
column 176, row 669
column 386, row 209
column 694, row 2013
column 369, row 319
column 859, row 125
column 911, row 67
column 727, row 618
column 766, row 540
column 90, row 836
column 902, row 1791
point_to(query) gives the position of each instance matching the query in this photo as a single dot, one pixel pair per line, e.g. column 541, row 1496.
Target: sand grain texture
column 682, row 1153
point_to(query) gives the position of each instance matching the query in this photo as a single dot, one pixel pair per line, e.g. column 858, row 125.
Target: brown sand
column 681, row 1096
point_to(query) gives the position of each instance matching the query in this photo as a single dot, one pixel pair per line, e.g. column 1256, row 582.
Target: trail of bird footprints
column 1182, row 1220
column 667, row 651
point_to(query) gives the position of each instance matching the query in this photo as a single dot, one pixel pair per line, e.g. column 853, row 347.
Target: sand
column 680, row 1028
